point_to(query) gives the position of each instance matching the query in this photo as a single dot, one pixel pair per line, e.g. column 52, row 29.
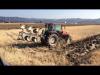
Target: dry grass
column 95, row 57
column 16, row 55
column 80, row 32
column 25, row 55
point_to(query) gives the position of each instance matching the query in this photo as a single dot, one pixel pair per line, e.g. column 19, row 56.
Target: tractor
column 52, row 35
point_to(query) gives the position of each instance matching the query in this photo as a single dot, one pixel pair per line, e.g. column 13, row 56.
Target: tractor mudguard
column 54, row 32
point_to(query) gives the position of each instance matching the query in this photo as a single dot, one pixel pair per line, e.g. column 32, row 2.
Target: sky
column 51, row 13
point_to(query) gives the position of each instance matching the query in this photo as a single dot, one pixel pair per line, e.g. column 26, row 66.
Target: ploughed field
column 15, row 52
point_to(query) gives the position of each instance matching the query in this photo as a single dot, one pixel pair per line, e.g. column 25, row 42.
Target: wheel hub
column 52, row 40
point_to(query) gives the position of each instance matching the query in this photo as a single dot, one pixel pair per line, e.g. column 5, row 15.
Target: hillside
column 38, row 20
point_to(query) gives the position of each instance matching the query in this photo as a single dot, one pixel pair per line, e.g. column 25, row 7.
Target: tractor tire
column 53, row 40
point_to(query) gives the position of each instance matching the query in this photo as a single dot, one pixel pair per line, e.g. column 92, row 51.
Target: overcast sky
column 51, row 14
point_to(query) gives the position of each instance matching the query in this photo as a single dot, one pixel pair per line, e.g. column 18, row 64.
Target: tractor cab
column 53, row 27
column 54, row 35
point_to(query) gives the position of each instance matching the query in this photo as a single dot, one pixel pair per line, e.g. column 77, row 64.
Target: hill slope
column 38, row 20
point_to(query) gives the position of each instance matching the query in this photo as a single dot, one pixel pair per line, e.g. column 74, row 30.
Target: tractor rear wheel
column 53, row 40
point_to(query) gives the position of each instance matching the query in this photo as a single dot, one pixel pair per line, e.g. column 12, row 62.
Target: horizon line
column 48, row 18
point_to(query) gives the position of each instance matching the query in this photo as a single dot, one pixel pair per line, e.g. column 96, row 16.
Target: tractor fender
column 54, row 32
